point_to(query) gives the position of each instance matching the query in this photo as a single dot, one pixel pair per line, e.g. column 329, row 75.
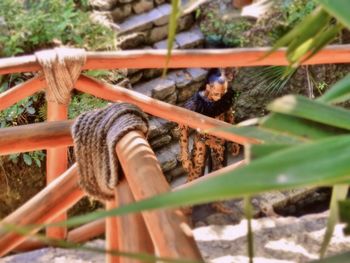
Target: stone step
column 184, row 40
column 176, row 87
column 192, row 38
column 149, row 27
column 168, row 156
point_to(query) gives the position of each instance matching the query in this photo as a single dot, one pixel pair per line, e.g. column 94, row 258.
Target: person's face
column 216, row 90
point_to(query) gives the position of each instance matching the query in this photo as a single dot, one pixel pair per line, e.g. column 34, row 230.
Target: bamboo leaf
column 175, row 14
column 301, row 165
column 322, row 40
column 339, row 9
column 248, row 212
column 339, row 92
column 312, row 110
column 303, row 31
column 256, row 151
column 344, row 215
column 144, row 257
column 292, row 125
column 342, row 258
column 265, row 135
column 339, row 193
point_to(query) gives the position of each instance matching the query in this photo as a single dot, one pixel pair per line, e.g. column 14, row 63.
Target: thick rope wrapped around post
column 95, row 136
column 61, row 67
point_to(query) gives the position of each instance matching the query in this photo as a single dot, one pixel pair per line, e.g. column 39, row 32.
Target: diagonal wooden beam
column 233, row 57
column 21, row 91
column 44, row 207
column 161, row 109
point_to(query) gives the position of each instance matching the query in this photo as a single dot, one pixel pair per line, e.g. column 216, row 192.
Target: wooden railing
column 153, row 231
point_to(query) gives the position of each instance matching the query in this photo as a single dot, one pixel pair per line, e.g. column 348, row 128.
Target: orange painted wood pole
column 133, row 235
column 21, row 91
column 235, row 57
column 78, row 235
column 33, row 137
column 161, row 109
column 44, row 207
column 168, row 229
column 87, row 232
column 56, row 163
column 111, row 234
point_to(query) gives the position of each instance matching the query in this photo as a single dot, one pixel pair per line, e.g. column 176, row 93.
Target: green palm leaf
column 302, row 165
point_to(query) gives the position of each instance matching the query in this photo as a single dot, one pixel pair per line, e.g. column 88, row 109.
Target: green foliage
column 296, row 10
column 23, row 112
column 219, row 29
column 28, row 158
column 33, row 25
column 84, row 102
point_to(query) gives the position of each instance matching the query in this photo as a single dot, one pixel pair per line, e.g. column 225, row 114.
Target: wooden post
column 168, row 229
column 111, row 234
column 133, row 235
column 56, row 163
column 44, row 207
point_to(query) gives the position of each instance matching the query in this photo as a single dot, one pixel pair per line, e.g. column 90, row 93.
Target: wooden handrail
column 33, row 137
column 133, row 152
column 44, row 207
column 21, row 91
column 235, row 57
column 96, row 228
column 167, row 228
column 161, row 109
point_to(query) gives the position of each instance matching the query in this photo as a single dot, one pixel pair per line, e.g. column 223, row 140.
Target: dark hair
column 213, row 74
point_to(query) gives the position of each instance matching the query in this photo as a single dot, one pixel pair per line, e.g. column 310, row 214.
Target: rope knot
column 95, row 136
column 61, row 67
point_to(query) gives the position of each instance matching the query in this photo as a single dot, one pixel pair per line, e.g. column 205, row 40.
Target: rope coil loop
column 62, row 67
column 95, row 134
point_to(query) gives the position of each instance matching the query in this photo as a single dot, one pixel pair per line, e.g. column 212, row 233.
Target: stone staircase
column 143, row 24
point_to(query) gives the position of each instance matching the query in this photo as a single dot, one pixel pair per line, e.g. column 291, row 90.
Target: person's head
column 217, row 85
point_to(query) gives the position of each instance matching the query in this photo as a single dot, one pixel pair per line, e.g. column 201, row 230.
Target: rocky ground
column 276, row 240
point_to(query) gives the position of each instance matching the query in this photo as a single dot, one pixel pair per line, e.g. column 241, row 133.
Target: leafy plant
column 84, row 102
column 33, row 25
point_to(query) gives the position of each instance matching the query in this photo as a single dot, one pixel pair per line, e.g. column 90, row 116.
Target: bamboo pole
column 78, row 235
column 21, row 91
column 161, row 109
column 44, row 207
column 56, row 163
column 111, row 234
column 167, row 228
column 33, row 137
column 87, row 232
column 133, row 235
column 234, row 57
